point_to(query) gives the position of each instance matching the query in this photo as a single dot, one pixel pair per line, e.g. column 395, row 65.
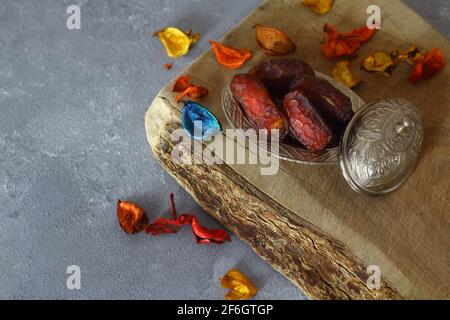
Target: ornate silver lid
column 380, row 146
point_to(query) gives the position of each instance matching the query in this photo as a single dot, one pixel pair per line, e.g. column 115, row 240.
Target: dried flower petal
column 425, row 65
column 182, row 83
column 362, row 34
column 202, row 234
column 131, row 217
column 319, row 6
column 194, row 113
column 434, row 61
column 417, row 73
column 241, row 288
column 273, row 41
column 193, row 92
column 412, row 54
column 342, row 73
column 185, row 88
column 176, row 42
column 229, row 57
column 205, row 235
column 428, row 66
column 380, row 62
column 336, row 44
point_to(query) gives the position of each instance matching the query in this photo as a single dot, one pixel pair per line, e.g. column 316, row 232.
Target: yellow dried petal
column 413, row 54
column 342, row 74
column 241, row 288
column 319, row 6
column 380, row 62
column 176, row 42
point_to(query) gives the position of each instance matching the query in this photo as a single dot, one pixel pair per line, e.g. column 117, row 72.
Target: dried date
column 277, row 74
column 306, row 124
column 331, row 103
column 257, row 104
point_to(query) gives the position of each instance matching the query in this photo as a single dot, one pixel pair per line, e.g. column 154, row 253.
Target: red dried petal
column 164, row 225
column 156, row 229
column 417, row 73
column 205, row 235
column 182, row 83
column 361, row 35
column 173, row 208
column 202, row 234
column 434, row 61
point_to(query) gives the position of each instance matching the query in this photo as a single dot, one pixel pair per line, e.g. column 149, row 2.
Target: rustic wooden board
column 306, row 221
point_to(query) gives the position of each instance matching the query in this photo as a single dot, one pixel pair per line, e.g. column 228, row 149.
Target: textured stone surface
column 72, row 142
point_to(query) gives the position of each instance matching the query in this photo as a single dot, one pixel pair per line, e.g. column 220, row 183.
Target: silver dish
column 378, row 150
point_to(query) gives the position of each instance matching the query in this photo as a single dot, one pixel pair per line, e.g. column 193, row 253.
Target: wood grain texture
column 406, row 233
column 323, row 267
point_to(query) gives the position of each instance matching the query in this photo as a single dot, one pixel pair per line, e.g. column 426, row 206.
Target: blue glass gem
column 198, row 122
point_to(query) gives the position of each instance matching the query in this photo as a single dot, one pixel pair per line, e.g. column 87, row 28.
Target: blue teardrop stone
column 198, row 122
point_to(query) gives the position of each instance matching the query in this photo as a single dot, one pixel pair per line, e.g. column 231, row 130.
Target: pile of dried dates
column 285, row 94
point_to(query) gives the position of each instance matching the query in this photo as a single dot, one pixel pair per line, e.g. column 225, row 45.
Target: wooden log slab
column 306, row 221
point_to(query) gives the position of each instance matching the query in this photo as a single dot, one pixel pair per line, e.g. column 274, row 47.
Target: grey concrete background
column 72, row 142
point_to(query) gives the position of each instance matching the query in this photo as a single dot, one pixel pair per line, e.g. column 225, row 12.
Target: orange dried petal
column 273, row 41
column 319, row 6
column 193, row 92
column 131, row 217
column 198, row 92
column 338, row 44
column 182, row 83
column 241, row 288
column 229, row 57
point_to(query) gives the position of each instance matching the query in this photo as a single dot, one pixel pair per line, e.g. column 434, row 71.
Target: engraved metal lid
column 380, row 146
